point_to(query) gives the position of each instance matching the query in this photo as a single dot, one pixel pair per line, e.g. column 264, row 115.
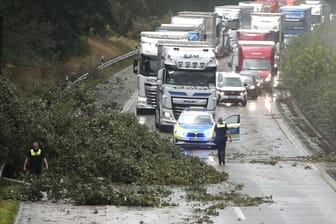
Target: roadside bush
column 309, row 68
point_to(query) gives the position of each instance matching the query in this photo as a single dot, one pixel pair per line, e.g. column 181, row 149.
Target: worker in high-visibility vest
column 34, row 159
column 221, row 135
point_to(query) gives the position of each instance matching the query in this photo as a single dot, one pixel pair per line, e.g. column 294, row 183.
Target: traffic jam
column 179, row 66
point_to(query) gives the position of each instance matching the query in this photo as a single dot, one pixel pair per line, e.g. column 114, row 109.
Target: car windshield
column 256, row 64
column 246, row 80
column 232, row 82
column 196, row 119
column 190, row 78
column 149, row 66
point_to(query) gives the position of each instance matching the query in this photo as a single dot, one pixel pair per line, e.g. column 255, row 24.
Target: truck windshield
column 149, row 66
column 256, row 64
column 294, row 25
column 190, row 78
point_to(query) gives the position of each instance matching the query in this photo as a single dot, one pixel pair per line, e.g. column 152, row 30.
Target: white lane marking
column 239, row 213
column 129, row 102
column 142, row 120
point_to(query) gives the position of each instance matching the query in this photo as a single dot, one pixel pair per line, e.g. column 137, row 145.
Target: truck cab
column 257, row 56
column 297, row 20
column 235, row 16
column 146, row 66
column 187, row 78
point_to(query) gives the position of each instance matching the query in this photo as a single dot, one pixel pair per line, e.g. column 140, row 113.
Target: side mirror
column 159, row 82
column 160, row 75
column 229, row 65
column 135, row 65
column 245, row 85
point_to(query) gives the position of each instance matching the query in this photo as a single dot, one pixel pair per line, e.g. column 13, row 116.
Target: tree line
column 40, row 30
column 309, row 68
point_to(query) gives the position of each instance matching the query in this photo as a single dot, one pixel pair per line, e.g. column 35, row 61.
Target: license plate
column 194, row 139
column 232, row 97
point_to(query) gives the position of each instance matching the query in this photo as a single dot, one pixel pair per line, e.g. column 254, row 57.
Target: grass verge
column 98, row 77
column 8, row 208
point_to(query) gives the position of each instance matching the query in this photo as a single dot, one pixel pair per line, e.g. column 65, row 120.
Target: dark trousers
column 221, row 151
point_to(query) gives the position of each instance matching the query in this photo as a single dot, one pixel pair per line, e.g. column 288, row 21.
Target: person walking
column 221, row 134
column 34, row 159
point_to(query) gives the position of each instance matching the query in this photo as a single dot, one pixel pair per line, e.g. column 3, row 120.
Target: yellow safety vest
column 33, row 153
column 221, row 125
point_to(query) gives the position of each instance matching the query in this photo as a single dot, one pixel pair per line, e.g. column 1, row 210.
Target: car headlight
column 251, row 87
column 208, row 133
column 268, row 78
column 242, row 93
column 180, row 132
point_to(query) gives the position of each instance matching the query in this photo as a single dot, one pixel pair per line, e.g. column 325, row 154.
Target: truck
column 257, row 56
column 273, row 22
column 297, row 21
column 234, row 16
column 187, row 78
column 146, row 66
column 320, row 12
column 274, row 4
column 196, row 32
column 254, row 35
column 215, row 33
column 257, row 6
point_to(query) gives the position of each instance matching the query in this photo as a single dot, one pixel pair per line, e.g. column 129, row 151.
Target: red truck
column 274, row 4
column 254, row 35
column 257, row 56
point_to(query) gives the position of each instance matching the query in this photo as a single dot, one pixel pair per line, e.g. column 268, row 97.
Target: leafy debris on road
column 213, row 202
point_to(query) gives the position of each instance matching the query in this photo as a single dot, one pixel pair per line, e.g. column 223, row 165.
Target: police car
column 195, row 128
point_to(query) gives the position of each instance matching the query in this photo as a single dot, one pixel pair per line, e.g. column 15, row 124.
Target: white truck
column 257, row 6
column 273, row 22
column 196, row 31
column 234, row 16
column 146, row 66
column 215, row 33
column 320, row 11
column 187, row 78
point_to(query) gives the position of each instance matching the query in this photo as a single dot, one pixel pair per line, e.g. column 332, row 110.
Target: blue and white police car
column 195, row 128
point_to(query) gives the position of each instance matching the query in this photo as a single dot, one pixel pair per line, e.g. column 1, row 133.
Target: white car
column 230, row 88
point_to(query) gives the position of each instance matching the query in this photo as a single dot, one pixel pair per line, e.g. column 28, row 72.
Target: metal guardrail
column 106, row 64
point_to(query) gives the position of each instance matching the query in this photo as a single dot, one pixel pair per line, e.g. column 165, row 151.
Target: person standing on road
column 221, row 135
column 34, row 159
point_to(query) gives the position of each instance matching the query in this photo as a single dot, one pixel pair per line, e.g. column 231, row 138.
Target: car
column 251, row 86
column 230, row 88
column 256, row 76
column 195, row 128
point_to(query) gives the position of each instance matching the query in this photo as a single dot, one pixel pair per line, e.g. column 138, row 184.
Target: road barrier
column 103, row 66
